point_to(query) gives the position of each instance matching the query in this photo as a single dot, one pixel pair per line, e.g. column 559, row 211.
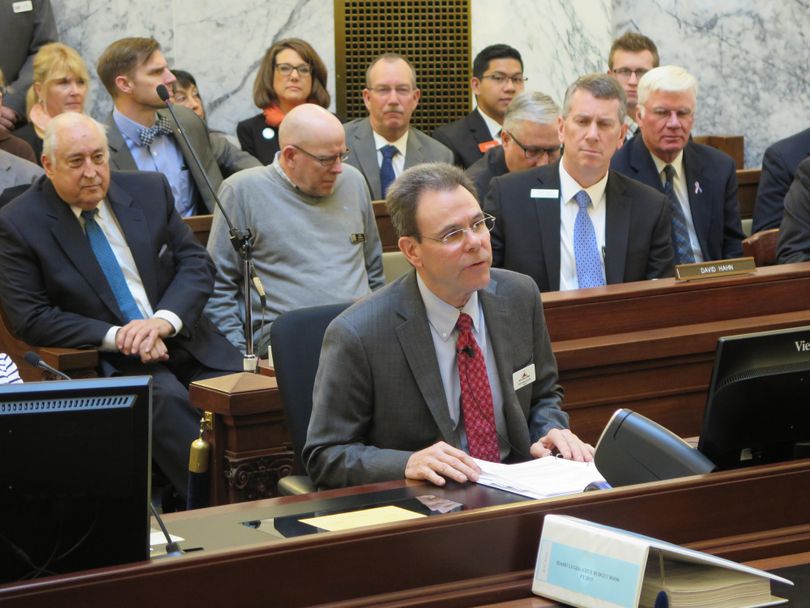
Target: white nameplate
column 22, row 7
column 524, row 376
column 544, row 193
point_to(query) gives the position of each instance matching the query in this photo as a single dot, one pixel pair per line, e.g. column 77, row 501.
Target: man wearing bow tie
column 699, row 181
column 142, row 133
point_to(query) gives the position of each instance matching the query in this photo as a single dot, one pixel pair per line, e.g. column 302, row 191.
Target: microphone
column 172, row 548
column 35, row 360
column 240, row 240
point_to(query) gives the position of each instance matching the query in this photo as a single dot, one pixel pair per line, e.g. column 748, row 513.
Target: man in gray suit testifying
column 449, row 361
column 384, row 144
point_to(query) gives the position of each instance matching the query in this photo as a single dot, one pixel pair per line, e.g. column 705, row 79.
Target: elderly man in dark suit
column 575, row 223
column 449, row 361
column 143, row 135
column 699, row 181
column 383, row 145
column 90, row 258
column 497, row 78
column 779, row 167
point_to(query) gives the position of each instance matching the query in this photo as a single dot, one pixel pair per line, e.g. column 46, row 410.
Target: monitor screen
column 75, row 466
column 758, row 408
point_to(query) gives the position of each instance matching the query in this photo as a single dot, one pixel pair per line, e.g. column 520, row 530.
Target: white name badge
column 22, row 7
column 524, row 376
column 544, row 193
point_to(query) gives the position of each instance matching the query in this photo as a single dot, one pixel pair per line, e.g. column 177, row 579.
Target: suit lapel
column 68, row 232
column 643, row 165
column 617, row 229
column 413, row 151
column 120, row 156
column 697, row 187
column 548, row 221
column 417, row 345
column 367, row 157
column 478, row 128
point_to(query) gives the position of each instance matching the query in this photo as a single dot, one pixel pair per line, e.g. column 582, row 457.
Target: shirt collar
column 100, row 215
column 401, row 144
column 569, row 188
column 442, row 316
column 493, row 125
column 128, row 127
column 677, row 164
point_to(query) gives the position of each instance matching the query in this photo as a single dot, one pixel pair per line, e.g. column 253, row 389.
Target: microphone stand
column 242, row 242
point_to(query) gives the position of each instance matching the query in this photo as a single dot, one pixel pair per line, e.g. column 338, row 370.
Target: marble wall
column 749, row 57
column 751, row 60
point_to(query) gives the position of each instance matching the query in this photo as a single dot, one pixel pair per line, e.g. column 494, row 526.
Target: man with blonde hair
column 699, row 181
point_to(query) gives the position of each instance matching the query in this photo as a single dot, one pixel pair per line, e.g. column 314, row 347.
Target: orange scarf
column 273, row 116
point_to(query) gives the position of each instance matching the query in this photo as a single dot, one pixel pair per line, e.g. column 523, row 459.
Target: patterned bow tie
column 161, row 127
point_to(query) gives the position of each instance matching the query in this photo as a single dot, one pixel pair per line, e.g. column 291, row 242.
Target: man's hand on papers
column 441, row 461
column 566, row 443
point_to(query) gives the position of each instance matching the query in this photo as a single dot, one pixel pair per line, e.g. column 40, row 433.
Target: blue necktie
column 109, row 266
column 589, row 264
column 680, row 233
column 387, row 168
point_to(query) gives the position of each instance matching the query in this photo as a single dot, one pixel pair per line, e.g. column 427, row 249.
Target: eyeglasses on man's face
column 625, row 73
column 535, row 152
column 456, row 236
column 500, row 78
column 325, row 161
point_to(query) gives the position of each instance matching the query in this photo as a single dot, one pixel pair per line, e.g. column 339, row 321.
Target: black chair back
column 296, row 338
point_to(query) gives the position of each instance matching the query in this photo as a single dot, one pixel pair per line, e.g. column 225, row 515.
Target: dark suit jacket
column 250, row 133
column 482, row 171
column 794, row 234
column 121, row 158
column 715, row 209
column 526, row 237
column 55, row 294
column 463, row 136
column 363, row 154
column 778, row 169
column 379, row 395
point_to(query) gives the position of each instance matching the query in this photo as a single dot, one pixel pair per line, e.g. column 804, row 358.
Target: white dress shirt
column 568, row 215
column 493, row 125
column 108, row 223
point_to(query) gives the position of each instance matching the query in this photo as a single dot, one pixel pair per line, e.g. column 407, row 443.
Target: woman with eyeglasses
column 290, row 74
column 60, row 85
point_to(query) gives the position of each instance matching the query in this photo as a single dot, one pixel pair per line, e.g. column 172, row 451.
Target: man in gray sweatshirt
column 315, row 237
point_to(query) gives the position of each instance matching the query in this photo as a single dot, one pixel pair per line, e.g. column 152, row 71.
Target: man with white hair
column 529, row 138
column 700, row 181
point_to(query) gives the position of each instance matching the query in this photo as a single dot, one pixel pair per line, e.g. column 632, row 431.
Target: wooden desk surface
column 474, row 557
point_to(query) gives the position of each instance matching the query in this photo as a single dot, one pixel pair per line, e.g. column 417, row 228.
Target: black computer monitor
column 75, row 460
column 758, row 408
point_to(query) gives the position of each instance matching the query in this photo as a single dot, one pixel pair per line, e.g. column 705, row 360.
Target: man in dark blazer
column 391, row 97
column 537, row 210
column 389, row 399
column 778, row 170
column 140, row 303
column 794, row 233
column 143, row 135
column 497, row 78
column 705, row 179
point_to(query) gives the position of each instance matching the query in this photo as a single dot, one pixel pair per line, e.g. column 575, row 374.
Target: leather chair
column 762, row 246
column 296, row 338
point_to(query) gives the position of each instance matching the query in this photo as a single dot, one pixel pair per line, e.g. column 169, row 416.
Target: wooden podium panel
column 469, row 558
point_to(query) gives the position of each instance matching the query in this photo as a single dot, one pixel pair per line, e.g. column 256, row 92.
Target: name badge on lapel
column 524, row 376
column 544, row 193
column 357, row 237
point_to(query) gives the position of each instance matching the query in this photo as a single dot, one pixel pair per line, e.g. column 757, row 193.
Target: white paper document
column 539, row 478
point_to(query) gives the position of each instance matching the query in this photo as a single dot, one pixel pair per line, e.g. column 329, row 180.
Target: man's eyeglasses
column 401, row 91
column 456, row 236
column 535, row 152
column 286, row 69
column 500, row 78
column 664, row 114
column 325, row 161
column 625, row 73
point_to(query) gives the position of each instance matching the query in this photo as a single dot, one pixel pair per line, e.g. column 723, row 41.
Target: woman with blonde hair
column 59, row 85
column 290, row 74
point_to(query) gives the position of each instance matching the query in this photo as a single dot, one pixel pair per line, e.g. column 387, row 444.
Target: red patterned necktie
column 476, row 395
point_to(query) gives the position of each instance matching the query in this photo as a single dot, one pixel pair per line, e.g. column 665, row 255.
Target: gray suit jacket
column 379, row 395
column 16, row 171
column 363, row 154
column 121, row 158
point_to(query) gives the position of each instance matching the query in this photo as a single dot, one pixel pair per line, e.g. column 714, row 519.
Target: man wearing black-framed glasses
column 497, row 78
column 316, row 240
column 529, row 140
